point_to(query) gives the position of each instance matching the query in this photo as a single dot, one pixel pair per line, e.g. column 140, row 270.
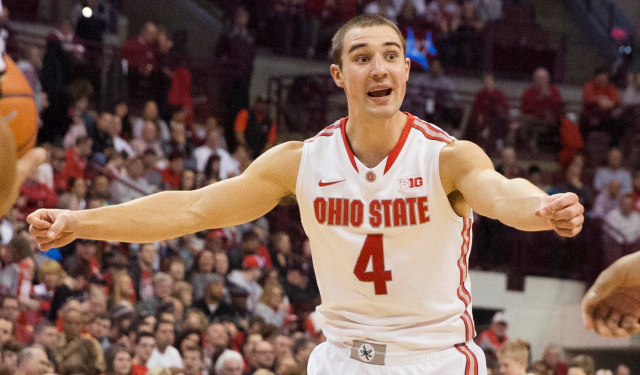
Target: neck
column 162, row 349
column 138, row 361
column 373, row 138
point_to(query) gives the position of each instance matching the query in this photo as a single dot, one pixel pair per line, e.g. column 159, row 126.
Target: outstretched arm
column 517, row 202
column 174, row 213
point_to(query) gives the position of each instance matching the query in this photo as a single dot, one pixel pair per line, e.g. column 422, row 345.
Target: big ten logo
column 411, row 183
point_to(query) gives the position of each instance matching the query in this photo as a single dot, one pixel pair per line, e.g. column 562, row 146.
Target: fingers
column 567, row 232
column 600, row 327
column 561, row 201
column 37, row 222
column 569, row 212
column 613, row 323
column 67, row 238
column 569, row 223
column 57, row 227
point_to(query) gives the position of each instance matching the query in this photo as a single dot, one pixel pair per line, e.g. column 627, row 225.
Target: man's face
column 72, row 324
column 105, row 122
column 165, row 335
column 541, row 79
column 282, row 345
column 374, row 71
column 144, row 348
column 192, row 361
column 264, row 354
column 99, row 328
column 148, row 254
column 11, row 309
column 162, row 288
column 602, row 79
column 10, row 360
column 86, row 250
column 623, row 370
column 615, row 159
column 510, row 367
column 47, row 337
column 304, row 353
column 58, row 160
column 500, row 329
column 217, row 336
column 234, row 367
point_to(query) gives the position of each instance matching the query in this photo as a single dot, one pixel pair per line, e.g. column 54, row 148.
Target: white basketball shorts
column 363, row 358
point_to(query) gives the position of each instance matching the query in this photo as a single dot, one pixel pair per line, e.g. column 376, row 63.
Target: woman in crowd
column 118, row 360
column 121, row 290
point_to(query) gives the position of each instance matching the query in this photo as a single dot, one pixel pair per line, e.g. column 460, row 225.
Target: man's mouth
column 380, row 93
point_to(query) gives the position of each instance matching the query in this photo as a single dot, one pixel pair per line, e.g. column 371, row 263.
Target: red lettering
column 345, row 212
column 423, row 210
column 320, row 207
column 419, row 182
column 399, row 212
column 412, row 210
column 357, row 211
column 335, row 211
column 375, row 217
column 386, row 204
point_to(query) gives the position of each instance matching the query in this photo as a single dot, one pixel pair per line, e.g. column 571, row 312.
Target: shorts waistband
column 390, row 354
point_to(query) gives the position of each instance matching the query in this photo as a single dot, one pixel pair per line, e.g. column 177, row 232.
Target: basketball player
column 612, row 306
column 14, row 171
column 386, row 201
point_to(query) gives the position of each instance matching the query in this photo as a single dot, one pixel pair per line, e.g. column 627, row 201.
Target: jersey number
column 373, row 250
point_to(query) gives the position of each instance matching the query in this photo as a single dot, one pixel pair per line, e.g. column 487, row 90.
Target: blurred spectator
column 34, row 195
column 213, row 304
column 513, row 358
column 178, row 142
column 100, row 133
column 534, row 175
column 573, row 183
column 582, row 365
column 6, row 330
column 91, row 19
column 607, row 199
column 624, row 220
column 67, row 40
column 492, row 339
column 272, row 307
column 631, row 95
column 229, row 363
column 121, row 290
column 133, row 185
column 144, row 346
column 247, row 279
column 118, row 361
column 613, row 171
column 172, row 176
column 302, row 349
column 99, row 328
column 264, row 357
column 444, row 15
column 85, row 255
column 139, row 53
column 254, row 127
column 76, row 158
column 151, row 173
column 488, row 122
column 45, row 334
column 508, row 166
column 488, row 10
column 542, row 108
column 216, row 342
column 164, row 354
column 383, row 8
column 162, row 284
column 301, row 290
column 623, row 370
column 151, row 113
column 600, row 101
column 228, row 166
column 30, row 66
column 203, row 273
column 148, row 141
column 141, row 272
column 193, row 361
column 73, row 346
column 236, row 48
column 72, row 290
column 435, row 95
column 32, row 361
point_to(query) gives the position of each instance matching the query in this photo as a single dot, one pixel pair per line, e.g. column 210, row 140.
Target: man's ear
column 408, row 65
column 336, row 73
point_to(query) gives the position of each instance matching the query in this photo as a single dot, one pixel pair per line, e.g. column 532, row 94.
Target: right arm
column 170, row 214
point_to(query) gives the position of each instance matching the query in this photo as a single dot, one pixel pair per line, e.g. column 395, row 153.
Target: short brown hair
column 365, row 20
column 584, row 362
column 515, row 350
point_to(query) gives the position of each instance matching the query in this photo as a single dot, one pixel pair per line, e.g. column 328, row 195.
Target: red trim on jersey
column 347, row 146
column 436, row 130
column 398, row 147
column 471, row 368
column 326, row 132
column 463, row 293
column 433, row 138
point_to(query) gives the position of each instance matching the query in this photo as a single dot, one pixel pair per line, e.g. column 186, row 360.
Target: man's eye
column 392, row 56
column 362, row 59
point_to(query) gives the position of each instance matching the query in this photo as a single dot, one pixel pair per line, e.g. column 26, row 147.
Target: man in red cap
column 247, row 279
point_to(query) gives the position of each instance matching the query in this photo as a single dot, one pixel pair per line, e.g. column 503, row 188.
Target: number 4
column 373, row 250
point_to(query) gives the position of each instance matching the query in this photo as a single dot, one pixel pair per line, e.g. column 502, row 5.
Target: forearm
column 516, row 204
column 153, row 218
column 8, row 169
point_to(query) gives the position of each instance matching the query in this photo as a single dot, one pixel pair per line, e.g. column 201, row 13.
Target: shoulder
column 460, row 158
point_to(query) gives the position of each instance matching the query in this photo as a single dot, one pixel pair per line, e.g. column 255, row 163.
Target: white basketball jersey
column 390, row 254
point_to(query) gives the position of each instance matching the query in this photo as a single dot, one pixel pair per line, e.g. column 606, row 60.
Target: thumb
column 601, row 289
column 29, row 162
column 57, row 227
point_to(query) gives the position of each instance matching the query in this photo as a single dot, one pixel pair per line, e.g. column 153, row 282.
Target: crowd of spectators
column 240, row 300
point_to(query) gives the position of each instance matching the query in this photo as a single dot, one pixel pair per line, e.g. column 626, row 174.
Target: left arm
column 464, row 167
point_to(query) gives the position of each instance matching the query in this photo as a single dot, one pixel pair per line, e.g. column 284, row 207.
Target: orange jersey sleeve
column 241, row 121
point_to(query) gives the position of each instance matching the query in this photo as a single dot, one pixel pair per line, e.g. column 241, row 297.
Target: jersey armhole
column 300, row 178
column 443, row 193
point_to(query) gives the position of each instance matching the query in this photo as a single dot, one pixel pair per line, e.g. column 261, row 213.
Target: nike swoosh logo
column 321, row 184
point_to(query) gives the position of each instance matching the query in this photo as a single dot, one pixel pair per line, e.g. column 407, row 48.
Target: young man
column 145, row 344
column 513, row 357
column 380, row 185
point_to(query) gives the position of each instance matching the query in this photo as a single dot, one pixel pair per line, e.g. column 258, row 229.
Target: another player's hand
column 53, row 228
column 565, row 213
column 612, row 306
